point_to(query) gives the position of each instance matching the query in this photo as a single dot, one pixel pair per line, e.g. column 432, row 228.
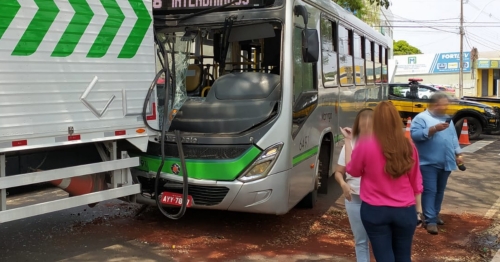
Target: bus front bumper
column 266, row 196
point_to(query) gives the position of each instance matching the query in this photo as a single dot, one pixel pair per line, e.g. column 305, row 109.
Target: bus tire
column 309, row 201
column 475, row 127
column 323, row 167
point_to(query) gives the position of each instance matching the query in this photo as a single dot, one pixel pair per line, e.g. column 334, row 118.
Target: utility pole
column 461, row 72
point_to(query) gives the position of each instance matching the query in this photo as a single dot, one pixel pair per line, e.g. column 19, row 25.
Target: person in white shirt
column 363, row 125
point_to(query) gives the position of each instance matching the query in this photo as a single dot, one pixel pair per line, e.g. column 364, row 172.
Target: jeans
column 435, row 181
column 390, row 230
column 353, row 208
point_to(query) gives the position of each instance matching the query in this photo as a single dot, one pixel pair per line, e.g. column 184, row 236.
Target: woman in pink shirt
column 391, row 185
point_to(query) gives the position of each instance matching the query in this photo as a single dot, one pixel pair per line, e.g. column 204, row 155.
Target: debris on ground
column 218, row 235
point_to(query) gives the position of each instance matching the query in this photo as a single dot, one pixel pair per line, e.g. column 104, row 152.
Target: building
column 481, row 78
column 488, row 74
column 437, row 69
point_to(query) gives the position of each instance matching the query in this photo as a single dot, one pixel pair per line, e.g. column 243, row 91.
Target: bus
column 251, row 95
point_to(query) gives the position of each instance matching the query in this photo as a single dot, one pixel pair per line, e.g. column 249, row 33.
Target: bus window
column 385, row 75
column 386, row 61
column 370, row 76
column 302, row 72
column 359, row 62
column 329, row 55
column 199, row 67
column 377, row 64
column 346, row 63
column 305, row 94
column 381, row 54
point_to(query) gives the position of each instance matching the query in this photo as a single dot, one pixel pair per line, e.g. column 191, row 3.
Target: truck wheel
column 320, row 182
column 475, row 127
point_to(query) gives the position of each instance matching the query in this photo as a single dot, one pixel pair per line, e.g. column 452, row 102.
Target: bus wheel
column 323, row 167
column 320, row 181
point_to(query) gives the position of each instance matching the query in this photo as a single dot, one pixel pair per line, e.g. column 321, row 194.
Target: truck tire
column 475, row 127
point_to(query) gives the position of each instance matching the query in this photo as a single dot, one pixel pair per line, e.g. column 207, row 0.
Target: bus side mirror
column 300, row 10
column 310, row 45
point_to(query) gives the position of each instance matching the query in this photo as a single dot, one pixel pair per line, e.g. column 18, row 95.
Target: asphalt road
column 110, row 232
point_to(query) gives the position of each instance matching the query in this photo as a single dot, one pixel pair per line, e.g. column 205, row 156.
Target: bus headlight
column 263, row 164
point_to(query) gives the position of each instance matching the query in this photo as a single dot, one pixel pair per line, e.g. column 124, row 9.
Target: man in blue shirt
column 439, row 153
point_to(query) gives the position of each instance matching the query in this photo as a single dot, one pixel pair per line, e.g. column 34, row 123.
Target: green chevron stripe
column 75, row 30
column 9, row 11
column 47, row 13
column 37, row 29
column 140, row 29
column 109, row 29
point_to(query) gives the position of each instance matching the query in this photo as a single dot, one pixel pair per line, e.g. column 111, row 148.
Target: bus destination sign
column 161, row 5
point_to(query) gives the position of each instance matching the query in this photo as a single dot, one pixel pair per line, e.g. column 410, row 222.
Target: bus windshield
column 247, row 56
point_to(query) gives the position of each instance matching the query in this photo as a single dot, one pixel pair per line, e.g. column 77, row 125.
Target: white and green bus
column 252, row 99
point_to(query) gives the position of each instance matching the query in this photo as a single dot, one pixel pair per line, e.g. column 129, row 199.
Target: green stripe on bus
column 220, row 170
column 305, row 155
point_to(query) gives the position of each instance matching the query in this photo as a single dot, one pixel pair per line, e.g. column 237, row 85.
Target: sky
column 435, row 26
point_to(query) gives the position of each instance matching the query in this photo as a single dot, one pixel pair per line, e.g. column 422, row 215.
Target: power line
column 467, row 39
column 413, row 31
column 483, row 42
column 481, row 11
column 484, row 39
column 448, row 22
column 433, row 42
column 431, row 27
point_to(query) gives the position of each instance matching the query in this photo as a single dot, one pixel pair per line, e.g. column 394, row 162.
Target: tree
column 358, row 7
column 402, row 47
column 381, row 3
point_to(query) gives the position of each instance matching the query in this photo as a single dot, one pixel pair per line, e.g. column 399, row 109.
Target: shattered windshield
column 177, row 57
column 198, row 56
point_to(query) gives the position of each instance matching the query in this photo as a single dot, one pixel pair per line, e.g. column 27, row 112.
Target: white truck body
column 74, row 72
column 54, row 92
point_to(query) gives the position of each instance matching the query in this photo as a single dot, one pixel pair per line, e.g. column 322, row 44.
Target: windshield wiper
column 208, row 11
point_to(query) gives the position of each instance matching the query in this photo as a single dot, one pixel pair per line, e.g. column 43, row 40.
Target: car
column 445, row 88
column 423, row 93
column 480, row 117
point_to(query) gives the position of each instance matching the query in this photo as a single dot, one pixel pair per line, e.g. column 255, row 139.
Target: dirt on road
column 111, row 232
column 223, row 236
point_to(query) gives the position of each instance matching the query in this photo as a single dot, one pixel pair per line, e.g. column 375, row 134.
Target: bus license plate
column 175, row 199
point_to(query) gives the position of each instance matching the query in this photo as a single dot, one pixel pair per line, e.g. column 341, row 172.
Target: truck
column 412, row 98
column 74, row 76
column 215, row 104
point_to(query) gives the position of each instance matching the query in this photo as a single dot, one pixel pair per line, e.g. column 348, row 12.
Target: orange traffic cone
column 464, row 135
column 81, row 185
column 407, row 131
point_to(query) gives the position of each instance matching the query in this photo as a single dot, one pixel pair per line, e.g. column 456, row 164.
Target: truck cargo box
column 74, row 71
